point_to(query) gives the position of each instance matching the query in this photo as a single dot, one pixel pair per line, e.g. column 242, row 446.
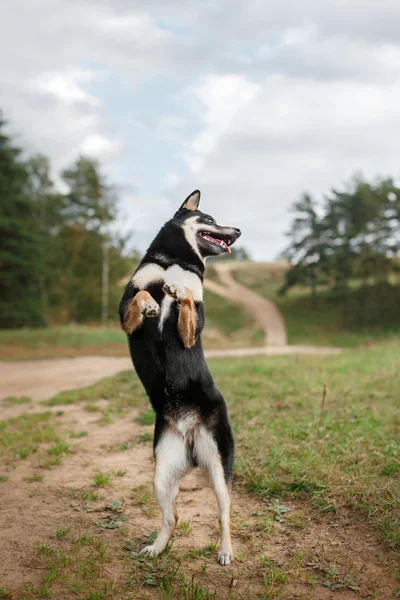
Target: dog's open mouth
column 224, row 243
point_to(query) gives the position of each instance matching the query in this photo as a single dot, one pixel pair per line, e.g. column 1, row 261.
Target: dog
column 162, row 313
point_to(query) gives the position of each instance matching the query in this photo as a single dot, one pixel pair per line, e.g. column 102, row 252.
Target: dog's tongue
column 219, row 242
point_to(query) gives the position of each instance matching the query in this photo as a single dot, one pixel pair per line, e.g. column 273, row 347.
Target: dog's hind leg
column 187, row 320
column 142, row 305
column 209, row 458
column 171, row 464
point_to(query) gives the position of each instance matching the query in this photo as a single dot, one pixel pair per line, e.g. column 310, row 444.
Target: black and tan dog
column 162, row 312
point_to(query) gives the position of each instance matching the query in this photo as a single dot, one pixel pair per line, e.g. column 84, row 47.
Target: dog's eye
column 209, row 220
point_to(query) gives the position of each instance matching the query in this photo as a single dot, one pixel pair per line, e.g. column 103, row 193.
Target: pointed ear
column 192, row 201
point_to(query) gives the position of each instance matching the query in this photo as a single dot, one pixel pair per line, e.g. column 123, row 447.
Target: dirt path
column 42, row 379
column 265, row 313
column 302, row 549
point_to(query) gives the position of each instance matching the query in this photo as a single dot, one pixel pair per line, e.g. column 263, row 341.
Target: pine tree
column 20, row 256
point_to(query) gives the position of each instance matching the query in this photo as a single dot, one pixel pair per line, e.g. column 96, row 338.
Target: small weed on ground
column 102, row 479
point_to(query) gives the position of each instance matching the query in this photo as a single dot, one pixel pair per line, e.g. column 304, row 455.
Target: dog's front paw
column 150, row 550
column 225, row 557
column 175, row 290
column 149, row 307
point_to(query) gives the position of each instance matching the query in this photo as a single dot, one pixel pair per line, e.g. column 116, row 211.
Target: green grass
column 351, row 460
column 123, row 392
column 146, row 417
column 22, row 436
column 323, row 324
column 225, row 315
column 62, row 532
column 66, row 340
column 102, row 479
column 85, row 566
column 36, row 478
column 16, row 400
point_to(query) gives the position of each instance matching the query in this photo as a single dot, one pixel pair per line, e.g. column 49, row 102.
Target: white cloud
column 222, row 97
column 65, row 85
column 100, row 147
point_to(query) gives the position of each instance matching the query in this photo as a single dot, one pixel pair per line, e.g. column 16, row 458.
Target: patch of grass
column 61, row 341
column 120, row 472
column 197, row 552
column 102, row 479
column 78, row 567
column 144, row 438
column 36, row 478
column 5, row 594
column 84, row 494
column 184, row 528
column 274, row 576
column 125, row 446
column 58, row 450
column 123, row 392
column 16, row 400
column 4, row 478
column 62, row 533
column 78, row 434
column 22, row 436
column 281, row 453
column 44, row 549
column 225, row 315
column 145, row 500
column 147, row 417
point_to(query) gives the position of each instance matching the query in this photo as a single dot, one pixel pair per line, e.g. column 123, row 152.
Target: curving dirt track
column 264, row 312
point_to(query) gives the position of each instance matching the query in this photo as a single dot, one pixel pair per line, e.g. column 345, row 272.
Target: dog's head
column 201, row 231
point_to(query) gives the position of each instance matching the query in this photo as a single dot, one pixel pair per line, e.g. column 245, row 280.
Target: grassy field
column 320, row 325
column 316, row 486
column 227, row 326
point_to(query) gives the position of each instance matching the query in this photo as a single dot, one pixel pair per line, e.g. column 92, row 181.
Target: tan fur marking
column 187, row 320
column 133, row 317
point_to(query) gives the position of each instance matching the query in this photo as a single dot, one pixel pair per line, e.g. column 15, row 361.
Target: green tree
column 90, row 201
column 20, row 254
column 353, row 235
column 90, row 207
column 308, row 250
column 48, row 209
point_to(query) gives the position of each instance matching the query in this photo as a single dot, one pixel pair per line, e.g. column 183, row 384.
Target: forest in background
column 60, row 258
column 346, row 249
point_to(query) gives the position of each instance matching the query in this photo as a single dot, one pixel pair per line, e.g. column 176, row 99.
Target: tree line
column 346, row 247
column 60, row 261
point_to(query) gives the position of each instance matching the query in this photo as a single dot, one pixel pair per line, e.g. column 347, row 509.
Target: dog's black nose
column 237, row 231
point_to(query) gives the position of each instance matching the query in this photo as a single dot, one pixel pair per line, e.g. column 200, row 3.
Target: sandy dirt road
column 42, row 379
column 264, row 312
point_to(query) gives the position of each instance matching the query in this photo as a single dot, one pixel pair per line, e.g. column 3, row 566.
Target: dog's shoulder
column 146, row 275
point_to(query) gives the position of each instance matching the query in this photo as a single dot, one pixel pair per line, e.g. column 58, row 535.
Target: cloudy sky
column 253, row 102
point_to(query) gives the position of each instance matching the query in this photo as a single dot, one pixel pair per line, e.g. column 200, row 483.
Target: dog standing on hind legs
column 163, row 315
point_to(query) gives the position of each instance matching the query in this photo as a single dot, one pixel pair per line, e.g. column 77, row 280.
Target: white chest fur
column 152, row 273
column 176, row 274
